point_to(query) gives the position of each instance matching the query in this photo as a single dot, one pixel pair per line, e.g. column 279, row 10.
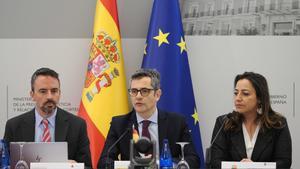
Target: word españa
column 278, row 99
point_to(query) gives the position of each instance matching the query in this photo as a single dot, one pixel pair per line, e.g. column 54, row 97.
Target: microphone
column 107, row 166
column 208, row 150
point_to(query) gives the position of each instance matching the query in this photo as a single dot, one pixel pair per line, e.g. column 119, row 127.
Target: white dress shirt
column 153, row 128
column 249, row 143
column 39, row 128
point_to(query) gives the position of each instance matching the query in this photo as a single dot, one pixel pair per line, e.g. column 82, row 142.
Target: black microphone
column 107, row 166
column 208, row 150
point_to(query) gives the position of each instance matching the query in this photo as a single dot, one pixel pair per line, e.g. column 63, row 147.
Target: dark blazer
column 68, row 127
column 171, row 126
column 272, row 145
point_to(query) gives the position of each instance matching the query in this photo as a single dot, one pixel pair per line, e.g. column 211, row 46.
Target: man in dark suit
column 145, row 92
column 48, row 123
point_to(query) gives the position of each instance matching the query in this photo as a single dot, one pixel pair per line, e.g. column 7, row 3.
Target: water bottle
column 4, row 162
column 165, row 161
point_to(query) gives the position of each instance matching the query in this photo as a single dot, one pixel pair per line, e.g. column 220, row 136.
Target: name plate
column 121, row 164
column 56, row 166
column 248, row 165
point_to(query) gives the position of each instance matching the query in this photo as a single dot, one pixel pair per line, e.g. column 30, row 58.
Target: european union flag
column 165, row 51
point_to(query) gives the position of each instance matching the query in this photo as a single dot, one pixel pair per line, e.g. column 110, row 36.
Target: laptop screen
column 27, row 152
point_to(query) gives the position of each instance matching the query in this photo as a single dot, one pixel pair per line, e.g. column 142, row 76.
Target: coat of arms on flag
column 103, row 53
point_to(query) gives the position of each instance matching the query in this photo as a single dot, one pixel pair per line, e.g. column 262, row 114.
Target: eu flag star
column 196, row 117
column 182, row 45
column 162, row 37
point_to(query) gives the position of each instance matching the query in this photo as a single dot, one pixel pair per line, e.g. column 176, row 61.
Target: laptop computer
column 38, row 152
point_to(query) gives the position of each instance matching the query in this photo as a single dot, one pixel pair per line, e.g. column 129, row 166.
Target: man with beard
column 49, row 123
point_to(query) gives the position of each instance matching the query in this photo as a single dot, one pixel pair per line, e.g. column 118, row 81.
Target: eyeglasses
column 143, row 91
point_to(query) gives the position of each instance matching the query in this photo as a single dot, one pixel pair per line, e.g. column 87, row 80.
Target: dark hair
column 268, row 118
column 43, row 72
column 151, row 73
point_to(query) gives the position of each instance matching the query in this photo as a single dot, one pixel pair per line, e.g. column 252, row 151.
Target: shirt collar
column 152, row 118
column 39, row 118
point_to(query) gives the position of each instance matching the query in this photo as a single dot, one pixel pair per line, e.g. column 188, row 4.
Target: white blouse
column 249, row 144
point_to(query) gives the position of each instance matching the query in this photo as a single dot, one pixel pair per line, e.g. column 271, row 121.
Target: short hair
column 151, row 73
column 43, row 72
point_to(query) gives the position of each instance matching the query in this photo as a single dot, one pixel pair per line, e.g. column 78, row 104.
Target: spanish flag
column 104, row 94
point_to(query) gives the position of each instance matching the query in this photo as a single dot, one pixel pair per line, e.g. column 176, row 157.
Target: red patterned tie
column 145, row 131
column 46, row 134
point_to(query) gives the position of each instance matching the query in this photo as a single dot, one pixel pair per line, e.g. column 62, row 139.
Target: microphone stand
column 208, row 150
column 107, row 162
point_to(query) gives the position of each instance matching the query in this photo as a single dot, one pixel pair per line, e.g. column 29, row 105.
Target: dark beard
column 49, row 107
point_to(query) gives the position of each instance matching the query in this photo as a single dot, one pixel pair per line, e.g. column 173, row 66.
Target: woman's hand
column 246, row 160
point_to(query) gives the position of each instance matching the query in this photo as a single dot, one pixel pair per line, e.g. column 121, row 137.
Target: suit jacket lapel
column 61, row 125
column 28, row 127
column 162, row 127
column 238, row 143
column 262, row 141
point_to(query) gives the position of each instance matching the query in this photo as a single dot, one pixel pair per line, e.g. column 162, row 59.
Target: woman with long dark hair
column 253, row 131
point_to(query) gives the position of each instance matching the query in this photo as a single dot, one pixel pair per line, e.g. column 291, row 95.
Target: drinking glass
column 21, row 164
column 182, row 164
